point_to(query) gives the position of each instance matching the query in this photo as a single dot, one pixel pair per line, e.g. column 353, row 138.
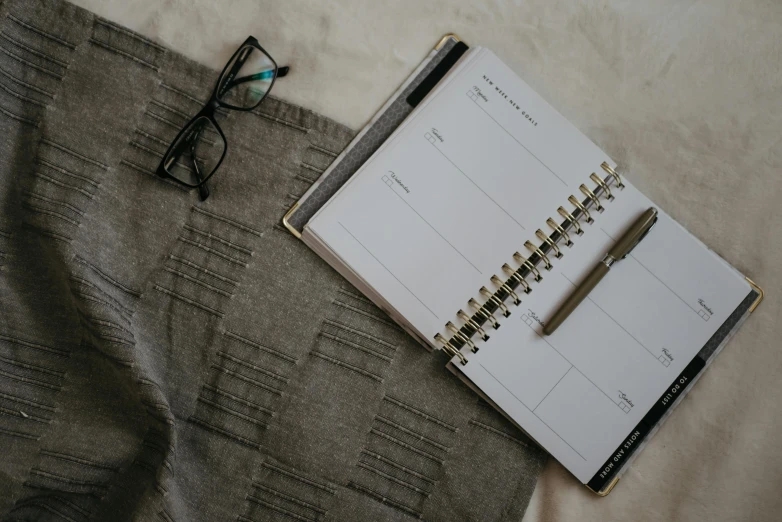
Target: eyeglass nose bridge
column 211, row 108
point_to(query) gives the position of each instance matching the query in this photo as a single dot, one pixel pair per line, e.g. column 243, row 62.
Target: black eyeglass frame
column 209, row 110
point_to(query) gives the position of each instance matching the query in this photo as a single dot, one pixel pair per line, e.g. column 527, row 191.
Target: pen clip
column 641, row 237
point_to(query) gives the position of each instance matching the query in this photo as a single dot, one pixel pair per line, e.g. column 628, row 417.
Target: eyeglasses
column 199, row 148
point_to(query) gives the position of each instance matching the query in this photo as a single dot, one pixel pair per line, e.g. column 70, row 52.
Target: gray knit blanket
column 167, row 359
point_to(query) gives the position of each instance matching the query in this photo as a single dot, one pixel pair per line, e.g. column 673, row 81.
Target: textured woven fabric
column 167, row 359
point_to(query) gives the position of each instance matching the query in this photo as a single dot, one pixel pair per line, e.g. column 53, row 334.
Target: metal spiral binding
column 571, row 220
column 556, row 226
column 462, row 336
column 516, row 277
column 581, row 207
column 467, row 319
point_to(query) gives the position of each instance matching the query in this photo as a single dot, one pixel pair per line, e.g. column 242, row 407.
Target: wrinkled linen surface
column 685, row 96
column 163, row 358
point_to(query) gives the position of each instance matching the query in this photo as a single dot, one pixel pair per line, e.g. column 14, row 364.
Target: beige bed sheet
column 685, row 95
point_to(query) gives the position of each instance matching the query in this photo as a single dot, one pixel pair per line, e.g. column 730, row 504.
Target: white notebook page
column 460, row 187
column 580, row 391
column 455, row 192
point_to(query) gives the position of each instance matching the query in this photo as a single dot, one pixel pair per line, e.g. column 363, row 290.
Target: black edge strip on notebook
column 420, row 92
column 628, row 446
column 637, row 435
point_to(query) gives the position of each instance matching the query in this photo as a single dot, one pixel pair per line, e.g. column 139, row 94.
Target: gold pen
column 620, row 250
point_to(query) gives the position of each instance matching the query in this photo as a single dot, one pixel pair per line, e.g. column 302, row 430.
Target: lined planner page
column 580, row 391
column 455, row 191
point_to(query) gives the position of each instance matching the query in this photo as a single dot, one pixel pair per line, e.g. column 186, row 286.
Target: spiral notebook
column 473, row 221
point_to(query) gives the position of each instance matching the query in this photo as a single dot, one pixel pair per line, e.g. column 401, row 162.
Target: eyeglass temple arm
column 203, row 191
column 281, row 71
column 237, row 66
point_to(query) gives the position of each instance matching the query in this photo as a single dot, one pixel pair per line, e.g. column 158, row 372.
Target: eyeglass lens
column 247, row 78
column 196, row 154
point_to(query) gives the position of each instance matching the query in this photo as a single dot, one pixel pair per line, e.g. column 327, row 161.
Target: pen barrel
column 579, row 294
